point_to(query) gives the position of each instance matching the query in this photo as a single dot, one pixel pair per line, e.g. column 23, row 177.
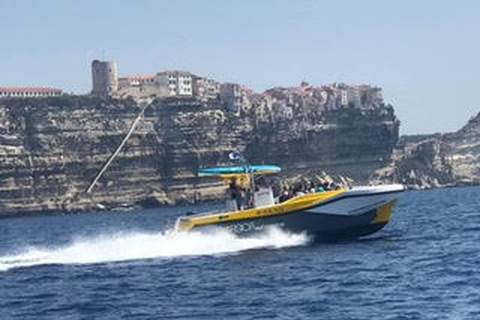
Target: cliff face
column 465, row 152
column 346, row 141
column 439, row 160
column 52, row 148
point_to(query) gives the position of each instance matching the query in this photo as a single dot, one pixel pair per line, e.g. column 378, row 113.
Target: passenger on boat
column 235, row 193
column 286, row 194
column 299, row 190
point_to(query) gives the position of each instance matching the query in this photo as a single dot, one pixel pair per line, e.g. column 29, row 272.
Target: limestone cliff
column 465, row 152
column 439, row 160
column 51, row 148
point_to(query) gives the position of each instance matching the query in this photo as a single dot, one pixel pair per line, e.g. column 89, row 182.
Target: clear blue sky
column 424, row 54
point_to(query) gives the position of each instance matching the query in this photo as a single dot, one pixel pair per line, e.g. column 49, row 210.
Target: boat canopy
column 241, row 174
column 255, row 169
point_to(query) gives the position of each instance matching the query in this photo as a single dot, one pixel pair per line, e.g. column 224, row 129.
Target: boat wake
column 133, row 246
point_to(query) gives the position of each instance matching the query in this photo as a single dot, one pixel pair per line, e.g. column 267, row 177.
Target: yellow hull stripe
column 294, row 204
column 384, row 212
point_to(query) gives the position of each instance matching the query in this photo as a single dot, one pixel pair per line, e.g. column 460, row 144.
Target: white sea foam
column 133, row 246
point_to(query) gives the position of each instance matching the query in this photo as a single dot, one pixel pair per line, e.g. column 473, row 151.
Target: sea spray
column 134, row 246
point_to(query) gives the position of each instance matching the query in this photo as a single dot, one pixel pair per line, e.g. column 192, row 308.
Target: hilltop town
column 187, row 87
column 178, row 87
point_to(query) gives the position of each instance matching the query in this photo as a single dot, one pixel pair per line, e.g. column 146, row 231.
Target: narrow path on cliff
column 119, row 148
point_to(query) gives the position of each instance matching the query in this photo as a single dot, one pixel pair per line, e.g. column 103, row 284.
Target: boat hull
column 350, row 214
column 324, row 227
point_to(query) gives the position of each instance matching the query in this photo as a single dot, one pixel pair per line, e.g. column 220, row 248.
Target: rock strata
column 52, row 148
column 440, row 160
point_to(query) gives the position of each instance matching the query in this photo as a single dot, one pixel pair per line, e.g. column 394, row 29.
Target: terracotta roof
column 175, row 71
column 137, row 76
column 25, row 89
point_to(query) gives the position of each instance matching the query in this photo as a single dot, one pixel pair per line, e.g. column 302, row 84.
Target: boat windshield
column 242, row 193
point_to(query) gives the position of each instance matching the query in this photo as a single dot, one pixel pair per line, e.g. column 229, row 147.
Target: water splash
column 134, row 246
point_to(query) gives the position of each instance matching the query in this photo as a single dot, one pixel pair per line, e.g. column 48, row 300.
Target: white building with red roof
column 133, row 80
column 167, row 83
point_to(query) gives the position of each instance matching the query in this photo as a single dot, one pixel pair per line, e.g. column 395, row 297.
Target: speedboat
column 326, row 215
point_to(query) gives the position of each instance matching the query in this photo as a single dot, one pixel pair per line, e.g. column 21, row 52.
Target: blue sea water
column 424, row 265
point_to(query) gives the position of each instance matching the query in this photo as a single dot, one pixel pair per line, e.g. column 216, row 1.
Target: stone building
column 179, row 83
column 141, row 87
column 350, row 96
column 231, row 96
column 206, row 89
column 29, row 92
column 168, row 83
column 370, row 97
column 135, row 80
column 246, row 101
column 282, row 111
column 262, row 107
column 104, row 78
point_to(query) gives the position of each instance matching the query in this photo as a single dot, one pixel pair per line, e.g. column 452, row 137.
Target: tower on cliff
column 104, row 77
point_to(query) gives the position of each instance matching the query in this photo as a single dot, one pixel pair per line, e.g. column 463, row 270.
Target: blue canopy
column 258, row 169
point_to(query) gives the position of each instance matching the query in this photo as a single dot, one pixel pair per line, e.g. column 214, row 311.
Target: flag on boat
column 235, row 155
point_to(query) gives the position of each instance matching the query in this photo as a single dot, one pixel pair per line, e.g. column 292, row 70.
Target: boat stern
column 183, row 224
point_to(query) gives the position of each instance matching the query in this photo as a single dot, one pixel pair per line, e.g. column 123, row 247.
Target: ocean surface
column 127, row 265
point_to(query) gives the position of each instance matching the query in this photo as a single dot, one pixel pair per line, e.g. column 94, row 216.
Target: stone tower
column 104, row 77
